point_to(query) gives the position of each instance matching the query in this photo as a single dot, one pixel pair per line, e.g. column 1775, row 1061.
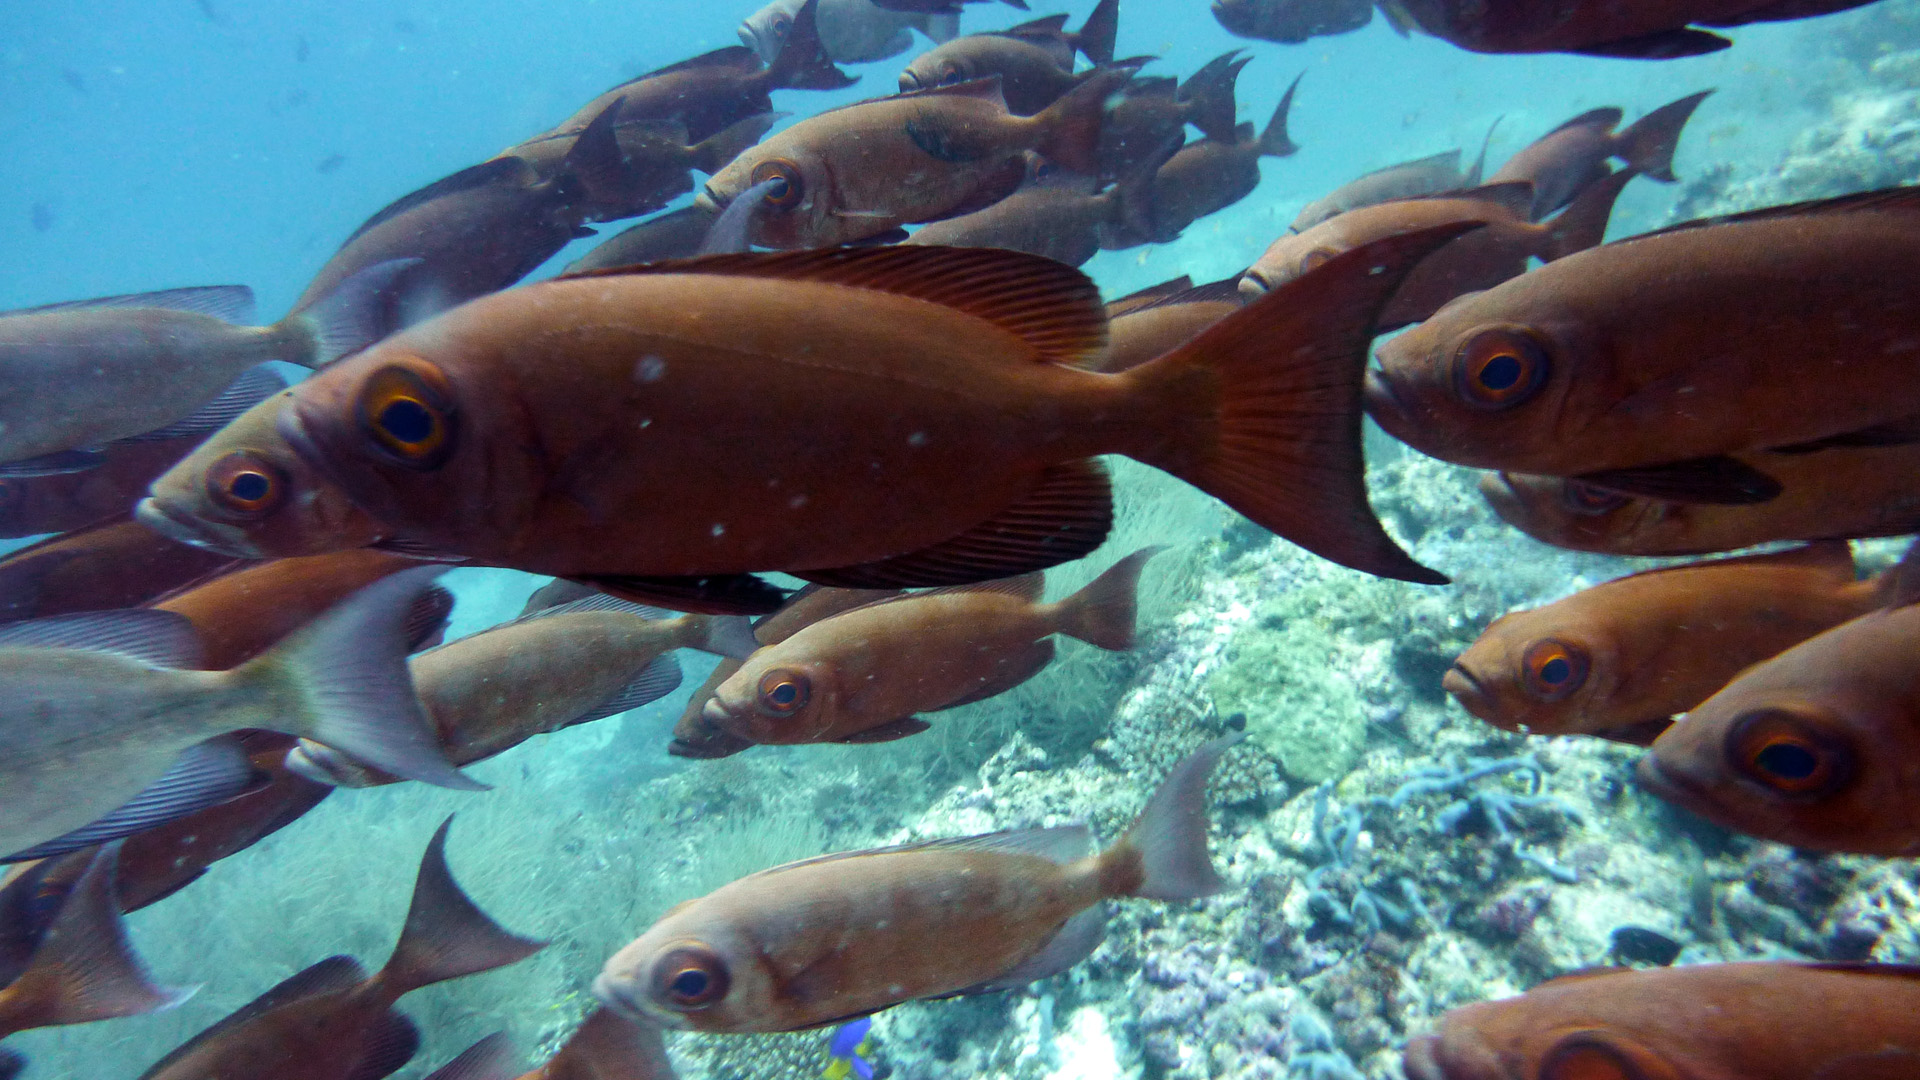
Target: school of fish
column 231, row 612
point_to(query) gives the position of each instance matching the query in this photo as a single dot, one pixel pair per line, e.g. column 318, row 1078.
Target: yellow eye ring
column 406, row 410
column 245, row 485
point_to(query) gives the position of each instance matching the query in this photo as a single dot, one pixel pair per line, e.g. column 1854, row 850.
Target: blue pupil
column 690, row 983
column 784, row 694
column 406, row 420
column 1787, row 761
column 1500, row 373
column 1556, row 670
column 250, row 487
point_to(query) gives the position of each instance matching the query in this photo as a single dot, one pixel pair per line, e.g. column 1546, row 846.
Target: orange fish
column 561, row 666
column 1148, row 121
column 245, row 493
column 861, row 676
column 1572, row 157
column 609, row 1046
column 333, row 1020
column 862, row 170
column 820, row 940
column 1840, row 493
column 1147, row 327
column 113, row 563
column 695, row 736
column 1641, row 365
column 1619, row 660
column 1810, row 748
column 689, row 432
column 1033, row 60
column 1479, row 260
column 1635, row 29
column 1751, row 1021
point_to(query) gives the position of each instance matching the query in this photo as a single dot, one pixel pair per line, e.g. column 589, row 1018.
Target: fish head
column 244, row 492
column 1788, row 754
column 796, row 194
column 779, row 695
column 939, row 66
column 1574, row 514
column 1533, row 671
column 695, row 969
column 1488, row 381
column 1517, row 1039
column 765, row 31
column 1287, row 258
column 323, row 764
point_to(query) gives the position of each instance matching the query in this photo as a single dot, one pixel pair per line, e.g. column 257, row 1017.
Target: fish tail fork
column 446, row 934
column 1164, row 855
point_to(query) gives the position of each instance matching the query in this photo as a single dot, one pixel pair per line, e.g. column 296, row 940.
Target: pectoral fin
column 1716, row 481
column 889, row 731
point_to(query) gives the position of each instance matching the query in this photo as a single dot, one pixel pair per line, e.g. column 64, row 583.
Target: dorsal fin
column 1054, row 308
column 1513, row 196
column 1059, row 843
column 1834, row 556
column 1897, row 200
column 1605, row 117
column 987, row 87
column 1140, row 298
column 1029, row 587
column 738, row 57
column 160, row 638
column 1226, row 290
column 495, row 171
column 1449, row 159
column 1046, row 26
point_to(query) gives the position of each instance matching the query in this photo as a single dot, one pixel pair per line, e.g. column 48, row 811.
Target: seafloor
column 1389, row 856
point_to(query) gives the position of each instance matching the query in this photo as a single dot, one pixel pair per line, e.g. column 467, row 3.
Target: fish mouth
column 617, row 994
column 1422, row 1059
column 1381, row 402
column 1672, row 785
column 709, row 200
column 184, row 528
column 718, row 716
column 1467, row 689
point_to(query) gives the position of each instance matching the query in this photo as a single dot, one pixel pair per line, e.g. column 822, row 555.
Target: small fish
column 1209, row 175
column 1764, row 1020
column 238, row 615
column 851, row 31
column 1055, row 214
column 333, row 1020
column 1620, row 659
column 1291, row 22
column 111, row 563
column 561, row 666
column 695, row 736
column 609, row 1046
column 844, row 1048
column 1810, row 748
column 1479, row 260
column 76, row 377
column 654, row 162
column 861, row 676
column 330, row 164
column 811, row 942
column 675, row 234
column 246, row 494
column 861, row 170
column 1843, row 493
column 984, row 481
column 1634, row 30
column 1143, row 331
column 1033, row 60
column 1149, row 121
column 1573, row 156
column 84, row 968
column 1407, row 180
column 1640, row 366
column 97, row 706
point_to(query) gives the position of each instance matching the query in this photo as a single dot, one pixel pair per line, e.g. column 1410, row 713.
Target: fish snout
column 1455, row 1054
column 618, row 995
column 1422, row 1059
column 1254, row 284
column 709, row 200
column 1382, row 402
column 1467, row 689
column 186, row 528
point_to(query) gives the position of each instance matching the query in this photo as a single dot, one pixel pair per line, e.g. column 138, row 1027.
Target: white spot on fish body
column 650, row 369
column 917, row 439
column 719, row 529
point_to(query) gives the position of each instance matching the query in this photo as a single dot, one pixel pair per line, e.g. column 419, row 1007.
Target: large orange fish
column 1479, row 260
column 844, row 935
column 333, row 1020
column 868, row 418
column 1841, row 493
column 862, row 170
column 1642, row 365
column 1619, row 660
column 1632, row 29
column 113, row 563
column 861, row 676
column 1813, row 747
column 1570, row 158
column 1750, row 1021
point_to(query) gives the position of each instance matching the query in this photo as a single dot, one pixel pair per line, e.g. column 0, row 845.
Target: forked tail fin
column 1102, row 612
column 1164, row 855
column 446, row 934
column 1648, row 144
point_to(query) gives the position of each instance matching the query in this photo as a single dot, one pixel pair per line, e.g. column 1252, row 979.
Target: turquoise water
column 155, row 145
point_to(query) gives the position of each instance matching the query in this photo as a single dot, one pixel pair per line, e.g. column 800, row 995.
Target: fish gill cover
column 1396, row 837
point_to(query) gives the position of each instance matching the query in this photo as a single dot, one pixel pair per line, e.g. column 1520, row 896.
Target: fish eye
column 1315, row 258
column 781, row 24
column 407, row 410
column 1786, row 754
column 691, row 976
column 951, row 72
column 1589, row 501
column 784, row 175
column 1581, row 1057
column 783, row 692
column 1554, row 669
column 1499, row 368
column 245, row 485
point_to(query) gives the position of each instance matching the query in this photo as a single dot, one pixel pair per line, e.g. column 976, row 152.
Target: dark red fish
column 1055, row 214
column 675, row 234
column 1632, row 29
column 609, row 1046
column 113, row 563
column 1149, row 121
column 1033, row 60
column 1291, row 22
column 1570, row 158
column 1211, row 174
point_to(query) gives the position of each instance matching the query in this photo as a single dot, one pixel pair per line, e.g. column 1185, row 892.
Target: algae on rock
column 1299, row 702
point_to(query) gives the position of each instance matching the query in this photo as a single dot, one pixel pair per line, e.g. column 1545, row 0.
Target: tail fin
column 1210, row 90
column 84, row 968
column 1164, row 855
column 595, row 158
column 803, row 63
column 1648, row 144
column 1282, row 406
column 1070, row 127
column 1479, row 170
column 1274, row 141
column 489, row 1059
column 712, row 154
column 446, row 934
column 1096, row 36
column 610, row 1046
column 350, row 318
column 730, row 636
column 342, row 680
column 1583, row 224
column 941, row 28
column 1102, row 612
